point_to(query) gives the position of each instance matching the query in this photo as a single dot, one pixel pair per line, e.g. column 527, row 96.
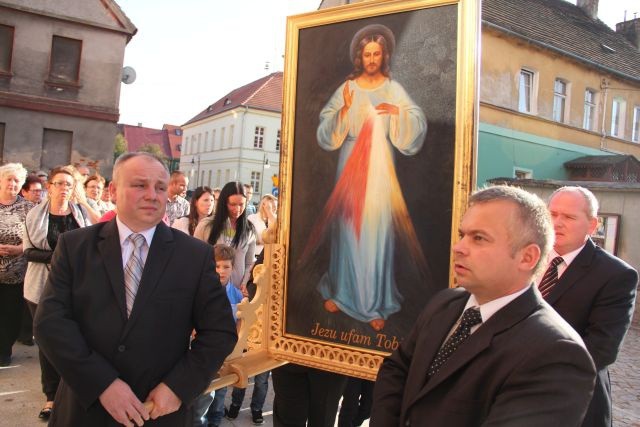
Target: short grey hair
column 15, row 169
column 534, row 221
column 591, row 202
column 123, row 158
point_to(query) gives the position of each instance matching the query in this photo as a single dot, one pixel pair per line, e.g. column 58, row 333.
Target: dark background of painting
column 424, row 63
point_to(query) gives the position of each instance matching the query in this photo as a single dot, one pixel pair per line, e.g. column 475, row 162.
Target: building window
column 255, row 181
column 209, row 180
column 65, row 59
column 522, row 173
column 226, row 175
column 278, row 141
column 559, row 100
column 589, row 119
column 213, row 139
column 206, row 141
column 231, row 136
column 222, row 139
column 258, row 138
column 635, row 137
column 218, row 177
column 525, row 91
column 6, row 48
column 618, row 108
column 56, row 148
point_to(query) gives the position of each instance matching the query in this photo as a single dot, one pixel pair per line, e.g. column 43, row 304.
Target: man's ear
column 112, row 191
column 529, row 257
column 593, row 224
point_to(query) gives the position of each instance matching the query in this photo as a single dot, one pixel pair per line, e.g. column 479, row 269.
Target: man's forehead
column 487, row 215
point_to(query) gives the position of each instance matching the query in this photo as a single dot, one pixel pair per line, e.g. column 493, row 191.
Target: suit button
column 121, row 348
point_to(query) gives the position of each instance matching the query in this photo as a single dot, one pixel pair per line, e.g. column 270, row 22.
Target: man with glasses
column 32, row 189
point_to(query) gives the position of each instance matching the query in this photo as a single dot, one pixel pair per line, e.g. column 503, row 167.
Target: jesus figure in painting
column 367, row 116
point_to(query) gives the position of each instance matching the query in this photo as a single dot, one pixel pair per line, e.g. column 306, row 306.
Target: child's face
column 224, row 268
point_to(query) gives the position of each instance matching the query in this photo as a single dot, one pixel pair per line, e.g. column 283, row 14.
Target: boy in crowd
column 209, row 411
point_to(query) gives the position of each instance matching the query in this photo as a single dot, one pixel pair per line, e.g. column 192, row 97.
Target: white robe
column 360, row 279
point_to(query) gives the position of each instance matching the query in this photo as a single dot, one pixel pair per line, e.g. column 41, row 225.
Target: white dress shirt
column 127, row 247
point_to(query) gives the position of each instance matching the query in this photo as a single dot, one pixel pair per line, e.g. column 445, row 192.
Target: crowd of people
column 133, row 317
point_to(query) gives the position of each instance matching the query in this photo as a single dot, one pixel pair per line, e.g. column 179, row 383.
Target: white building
column 237, row 138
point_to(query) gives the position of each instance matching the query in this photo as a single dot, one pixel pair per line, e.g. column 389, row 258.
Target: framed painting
column 378, row 136
column 606, row 234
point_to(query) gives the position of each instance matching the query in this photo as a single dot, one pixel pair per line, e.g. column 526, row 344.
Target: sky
column 189, row 54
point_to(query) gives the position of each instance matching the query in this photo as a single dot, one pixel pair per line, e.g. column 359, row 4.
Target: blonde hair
column 14, row 169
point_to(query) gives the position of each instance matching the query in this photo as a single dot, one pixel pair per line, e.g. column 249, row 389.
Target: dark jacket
column 82, row 326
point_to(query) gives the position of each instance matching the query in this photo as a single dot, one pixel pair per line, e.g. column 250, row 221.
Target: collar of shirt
column 490, row 308
column 567, row 259
column 126, row 247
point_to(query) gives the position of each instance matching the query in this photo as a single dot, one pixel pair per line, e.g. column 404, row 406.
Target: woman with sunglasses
column 43, row 225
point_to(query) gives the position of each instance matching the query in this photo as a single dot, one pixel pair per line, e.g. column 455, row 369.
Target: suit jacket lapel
column 111, row 254
column 158, row 258
column 503, row 319
column 576, row 270
column 428, row 345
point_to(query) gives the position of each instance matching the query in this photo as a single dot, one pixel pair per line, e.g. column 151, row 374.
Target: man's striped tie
column 550, row 278
column 133, row 269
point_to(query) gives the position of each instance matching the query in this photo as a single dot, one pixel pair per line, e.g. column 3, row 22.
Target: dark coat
column 596, row 296
column 82, row 326
column 523, row 367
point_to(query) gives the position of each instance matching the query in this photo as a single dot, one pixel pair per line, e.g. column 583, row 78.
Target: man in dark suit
column 595, row 292
column 490, row 352
column 119, row 307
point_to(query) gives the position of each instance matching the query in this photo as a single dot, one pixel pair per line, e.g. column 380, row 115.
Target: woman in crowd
column 201, row 207
column 13, row 211
column 262, row 219
column 106, row 197
column 229, row 225
column 43, row 225
column 94, row 187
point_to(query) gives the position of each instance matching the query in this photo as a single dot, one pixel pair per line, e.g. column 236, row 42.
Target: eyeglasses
column 65, row 184
column 35, row 191
column 95, row 187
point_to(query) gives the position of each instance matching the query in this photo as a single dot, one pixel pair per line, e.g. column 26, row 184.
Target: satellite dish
column 128, row 75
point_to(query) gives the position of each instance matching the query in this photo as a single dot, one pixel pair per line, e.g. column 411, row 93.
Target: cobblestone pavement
column 21, row 399
column 625, row 378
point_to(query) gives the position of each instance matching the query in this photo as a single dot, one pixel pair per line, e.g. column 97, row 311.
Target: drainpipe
column 604, row 85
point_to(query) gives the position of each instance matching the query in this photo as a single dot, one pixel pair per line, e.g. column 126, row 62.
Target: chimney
column 590, row 7
column 631, row 31
column 139, row 124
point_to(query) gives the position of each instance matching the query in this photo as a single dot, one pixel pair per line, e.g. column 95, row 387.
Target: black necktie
column 550, row 278
column 470, row 317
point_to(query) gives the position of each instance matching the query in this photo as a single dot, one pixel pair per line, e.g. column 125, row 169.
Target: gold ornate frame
column 362, row 363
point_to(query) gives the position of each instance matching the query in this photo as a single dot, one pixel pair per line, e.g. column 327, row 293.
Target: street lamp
column 193, row 163
column 265, row 165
